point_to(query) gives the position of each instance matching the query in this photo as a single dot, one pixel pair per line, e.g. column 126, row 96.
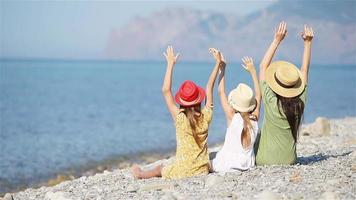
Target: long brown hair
column 193, row 113
column 293, row 109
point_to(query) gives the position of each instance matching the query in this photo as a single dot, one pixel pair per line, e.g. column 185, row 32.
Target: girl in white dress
column 241, row 109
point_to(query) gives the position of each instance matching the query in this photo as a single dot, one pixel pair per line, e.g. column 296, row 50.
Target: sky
column 80, row 29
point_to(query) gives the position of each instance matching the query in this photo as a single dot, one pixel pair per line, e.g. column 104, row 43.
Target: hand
column 223, row 61
column 222, row 64
column 216, row 54
column 248, row 64
column 281, row 32
column 307, row 34
column 170, row 57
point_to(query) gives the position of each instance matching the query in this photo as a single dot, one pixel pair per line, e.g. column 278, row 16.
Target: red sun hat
column 189, row 94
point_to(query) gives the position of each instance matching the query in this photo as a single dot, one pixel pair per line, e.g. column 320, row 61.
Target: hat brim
column 244, row 109
column 198, row 100
column 294, row 91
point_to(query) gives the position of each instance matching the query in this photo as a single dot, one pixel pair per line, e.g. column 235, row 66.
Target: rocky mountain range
column 192, row 32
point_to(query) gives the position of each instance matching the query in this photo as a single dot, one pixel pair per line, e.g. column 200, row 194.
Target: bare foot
column 136, row 171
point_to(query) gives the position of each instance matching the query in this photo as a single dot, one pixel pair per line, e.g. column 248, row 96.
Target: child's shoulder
column 207, row 112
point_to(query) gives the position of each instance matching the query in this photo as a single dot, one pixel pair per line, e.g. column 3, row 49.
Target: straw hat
column 285, row 79
column 242, row 99
column 189, row 94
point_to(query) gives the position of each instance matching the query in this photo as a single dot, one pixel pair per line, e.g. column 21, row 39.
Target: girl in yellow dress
column 191, row 123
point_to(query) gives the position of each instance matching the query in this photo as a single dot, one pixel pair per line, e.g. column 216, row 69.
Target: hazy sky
column 80, row 29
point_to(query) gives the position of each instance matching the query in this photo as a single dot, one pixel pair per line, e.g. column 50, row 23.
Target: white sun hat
column 242, row 98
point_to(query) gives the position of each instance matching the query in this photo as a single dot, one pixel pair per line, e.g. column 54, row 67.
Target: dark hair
column 293, row 109
column 191, row 113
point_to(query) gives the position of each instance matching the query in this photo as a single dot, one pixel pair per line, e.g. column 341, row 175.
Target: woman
column 242, row 111
column 191, row 124
column 284, row 94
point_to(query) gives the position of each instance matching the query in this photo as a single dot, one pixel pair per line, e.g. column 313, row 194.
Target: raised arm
column 307, row 36
column 250, row 67
column 210, row 85
column 167, row 83
column 229, row 112
column 279, row 35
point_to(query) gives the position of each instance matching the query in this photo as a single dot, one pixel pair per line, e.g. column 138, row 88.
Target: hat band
column 189, row 103
column 281, row 84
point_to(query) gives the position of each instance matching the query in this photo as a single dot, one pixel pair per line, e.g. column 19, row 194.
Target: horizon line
column 13, row 59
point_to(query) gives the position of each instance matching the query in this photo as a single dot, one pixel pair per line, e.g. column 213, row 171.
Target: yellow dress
column 191, row 157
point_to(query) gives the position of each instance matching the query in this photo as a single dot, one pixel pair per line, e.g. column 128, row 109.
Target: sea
column 57, row 114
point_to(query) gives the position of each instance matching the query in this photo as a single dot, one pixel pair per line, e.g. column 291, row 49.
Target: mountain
column 192, row 32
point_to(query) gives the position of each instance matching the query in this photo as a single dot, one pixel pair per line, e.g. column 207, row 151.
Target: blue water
column 56, row 114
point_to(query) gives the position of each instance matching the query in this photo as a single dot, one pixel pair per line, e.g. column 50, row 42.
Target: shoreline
column 92, row 168
column 311, row 130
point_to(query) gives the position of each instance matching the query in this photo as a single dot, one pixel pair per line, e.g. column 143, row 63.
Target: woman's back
column 276, row 145
column 233, row 155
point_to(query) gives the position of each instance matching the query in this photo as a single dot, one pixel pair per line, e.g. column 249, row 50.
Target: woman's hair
column 293, row 109
column 193, row 113
column 246, row 119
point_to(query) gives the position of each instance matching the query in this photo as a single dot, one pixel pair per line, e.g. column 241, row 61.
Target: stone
column 321, row 126
column 305, row 133
column 333, row 181
column 235, row 195
column 328, row 196
column 132, row 188
column 168, row 196
column 213, row 180
column 295, row 177
column 157, row 186
column 101, row 168
column 353, row 167
column 8, row 196
column 56, row 196
column 268, row 195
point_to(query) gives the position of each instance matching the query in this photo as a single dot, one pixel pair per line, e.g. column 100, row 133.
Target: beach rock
column 213, row 180
column 235, row 195
column 353, row 154
column 321, row 126
column 56, row 196
column 295, row 177
column 353, row 167
column 268, row 195
column 157, row 186
column 101, row 168
column 328, row 196
column 8, row 196
column 333, row 181
column 168, row 196
column 132, row 188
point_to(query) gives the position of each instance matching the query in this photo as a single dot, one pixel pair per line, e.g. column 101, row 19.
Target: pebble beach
column 325, row 169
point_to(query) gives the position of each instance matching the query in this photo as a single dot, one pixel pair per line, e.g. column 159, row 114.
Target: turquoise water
column 56, row 114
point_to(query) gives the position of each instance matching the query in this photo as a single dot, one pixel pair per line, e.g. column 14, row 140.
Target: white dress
column 232, row 155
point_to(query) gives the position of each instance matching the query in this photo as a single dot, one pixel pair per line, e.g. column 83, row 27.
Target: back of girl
column 284, row 92
column 241, row 109
column 192, row 120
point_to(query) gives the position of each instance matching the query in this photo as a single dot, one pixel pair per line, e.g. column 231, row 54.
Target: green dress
column 276, row 145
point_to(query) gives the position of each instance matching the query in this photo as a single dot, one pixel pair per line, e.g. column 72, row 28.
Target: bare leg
column 138, row 173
